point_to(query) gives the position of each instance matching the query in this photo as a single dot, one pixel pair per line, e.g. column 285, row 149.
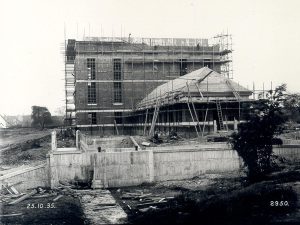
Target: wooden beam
column 204, row 121
column 145, row 125
column 23, row 198
column 190, row 108
column 116, row 127
column 58, row 197
column 13, row 214
column 135, row 143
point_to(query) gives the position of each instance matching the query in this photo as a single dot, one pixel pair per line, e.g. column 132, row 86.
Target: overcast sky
column 266, row 39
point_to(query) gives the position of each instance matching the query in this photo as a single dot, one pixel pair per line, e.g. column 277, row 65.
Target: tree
column 40, row 116
column 253, row 141
column 292, row 107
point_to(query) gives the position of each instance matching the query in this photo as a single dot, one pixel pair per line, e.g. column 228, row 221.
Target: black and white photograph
column 149, row 112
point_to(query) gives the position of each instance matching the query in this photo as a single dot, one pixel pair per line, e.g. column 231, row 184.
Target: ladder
column 220, row 116
column 155, row 115
column 235, row 93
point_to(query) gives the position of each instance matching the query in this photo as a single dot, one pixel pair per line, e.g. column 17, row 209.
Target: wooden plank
column 150, row 204
column 144, row 195
column 13, row 214
column 16, row 183
column 23, row 198
column 43, row 196
column 104, row 208
column 14, row 190
column 161, row 199
column 58, row 197
column 7, row 189
column 135, row 143
column 106, row 204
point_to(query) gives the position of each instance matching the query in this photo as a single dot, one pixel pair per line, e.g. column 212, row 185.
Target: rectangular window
column 118, row 117
column 117, row 92
column 92, row 118
column 117, row 69
column 183, row 67
column 92, row 92
column 91, row 67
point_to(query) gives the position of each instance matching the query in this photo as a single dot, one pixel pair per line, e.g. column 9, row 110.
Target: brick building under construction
column 136, row 85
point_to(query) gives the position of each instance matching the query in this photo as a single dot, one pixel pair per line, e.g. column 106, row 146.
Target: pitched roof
column 210, row 83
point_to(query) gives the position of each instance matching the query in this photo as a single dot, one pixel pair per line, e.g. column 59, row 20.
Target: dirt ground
column 26, row 146
column 43, row 211
column 227, row 194
column 20, row 135
column 169, row 190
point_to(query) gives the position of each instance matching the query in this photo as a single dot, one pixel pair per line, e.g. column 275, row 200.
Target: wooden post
column 235, row 125
column 116, row 127
column 204, row 121
column 94, row 144
column 145, row 124
column 53, row 141
column 215, row 126
column 77, row 139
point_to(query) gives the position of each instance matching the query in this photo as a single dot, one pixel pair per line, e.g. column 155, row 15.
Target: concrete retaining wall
column 290, row 152
column 116, row 169
column 24, row 179
column 183, row 164
column 290, row 142
column 70, row 165
column 134, row 168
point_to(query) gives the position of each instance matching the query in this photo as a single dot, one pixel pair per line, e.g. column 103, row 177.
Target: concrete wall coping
column 190, row 150
column 15, row 173
column 123, row 152
column 287, row 146
column 66, row 152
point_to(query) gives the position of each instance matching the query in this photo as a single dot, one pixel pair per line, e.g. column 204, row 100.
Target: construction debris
column 145, row 143
column 10, row 189
column 136, row 145
column 10, row 215
column 143, row 202
column 40, row 190
column 57, row 198
column 104, row 208
column 143, row 210
column 23, row 197
column 143, row 205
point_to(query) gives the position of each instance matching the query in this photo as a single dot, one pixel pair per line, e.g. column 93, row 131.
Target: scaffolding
column 225, row 43
column 69, row 59
column 146, row 63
